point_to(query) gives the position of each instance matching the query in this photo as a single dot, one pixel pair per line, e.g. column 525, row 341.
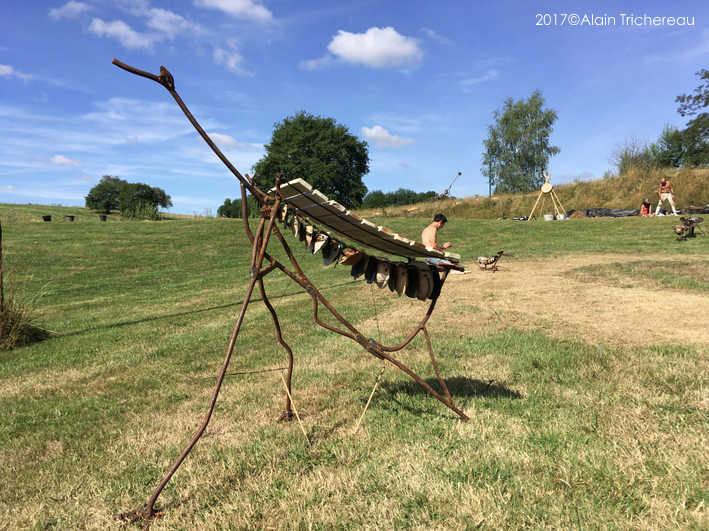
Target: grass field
column 559, row 437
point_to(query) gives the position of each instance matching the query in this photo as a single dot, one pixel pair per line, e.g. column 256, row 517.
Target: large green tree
column 319, row 151
column 104, row 197
column 113, row 193
column 518, row 146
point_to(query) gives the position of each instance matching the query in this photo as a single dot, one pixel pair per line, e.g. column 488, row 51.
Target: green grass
column 679, row 275
column 91, row 418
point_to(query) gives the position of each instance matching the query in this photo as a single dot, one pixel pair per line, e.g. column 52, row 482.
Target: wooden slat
column 330, row 215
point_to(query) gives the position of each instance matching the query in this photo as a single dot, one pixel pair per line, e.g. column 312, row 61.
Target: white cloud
column 383, row 138
column 376, row 48
column 7, row 70
column 231, row 60
column 315, row 64
column 436, row 37
column 243, row 9
column 120, row 31
column 61, row 160
column 7, row 188
column 170, row 23
column 404, row 165
column 69, row 10
column 492, row 74
column 223, row 140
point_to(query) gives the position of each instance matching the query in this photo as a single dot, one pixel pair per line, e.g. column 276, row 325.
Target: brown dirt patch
column 545, row 294
column 548, row 295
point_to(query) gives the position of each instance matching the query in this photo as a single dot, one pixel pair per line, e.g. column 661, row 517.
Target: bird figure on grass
column 490, row 264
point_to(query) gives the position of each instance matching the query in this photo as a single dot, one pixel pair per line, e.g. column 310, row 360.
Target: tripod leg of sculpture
column 287, row 414
column 148, row 510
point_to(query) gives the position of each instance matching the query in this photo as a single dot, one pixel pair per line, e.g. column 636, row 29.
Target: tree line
column 402, row 196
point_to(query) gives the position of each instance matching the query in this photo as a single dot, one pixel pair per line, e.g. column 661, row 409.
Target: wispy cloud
column 69, row 10
column 469, row 82
column 241, row 9
column 436, row 37
column 61, row 160
column 7, row 188
column 316, row 64
column 231, row 59
column 122, row 32
column 9, row 71
column 376, row 48
column 223, row 140
column 383, row 138
column 170, row 24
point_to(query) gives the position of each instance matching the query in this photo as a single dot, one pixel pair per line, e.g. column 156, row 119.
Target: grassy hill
column 627, row 191
column 558, row 437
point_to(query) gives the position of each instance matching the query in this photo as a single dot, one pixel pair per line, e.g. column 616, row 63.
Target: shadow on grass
column 191, row 312
column 16, row 326
column 28, row 334
column 460, row 387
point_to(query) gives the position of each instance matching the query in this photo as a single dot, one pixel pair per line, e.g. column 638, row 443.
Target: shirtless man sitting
column 428, row 238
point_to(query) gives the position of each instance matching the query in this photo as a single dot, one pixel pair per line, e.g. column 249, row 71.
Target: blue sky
column 418, row 80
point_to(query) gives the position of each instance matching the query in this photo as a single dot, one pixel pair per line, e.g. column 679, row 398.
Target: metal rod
column 277, row 326
column 149, row 509
column 166, row 80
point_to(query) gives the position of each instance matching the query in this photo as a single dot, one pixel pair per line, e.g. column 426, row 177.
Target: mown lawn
column 558, row 438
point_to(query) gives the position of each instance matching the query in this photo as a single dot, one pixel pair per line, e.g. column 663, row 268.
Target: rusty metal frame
column 267, row 228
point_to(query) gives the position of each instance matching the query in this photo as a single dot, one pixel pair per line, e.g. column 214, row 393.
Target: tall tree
column 319, row 151
column 668, row 150
column 104, row 197
column 518, row 146
column 695, row 138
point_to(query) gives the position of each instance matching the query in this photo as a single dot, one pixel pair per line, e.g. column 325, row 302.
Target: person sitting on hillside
column 646, row 208
column 428, row 237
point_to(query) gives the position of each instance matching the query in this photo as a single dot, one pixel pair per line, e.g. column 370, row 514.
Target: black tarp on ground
column 626, row 212
column 607, row 212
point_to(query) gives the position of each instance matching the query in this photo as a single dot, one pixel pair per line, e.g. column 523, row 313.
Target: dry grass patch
column 556, row 296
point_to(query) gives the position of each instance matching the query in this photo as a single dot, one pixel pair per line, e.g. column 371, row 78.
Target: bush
column 16, row 318
column 142, row 211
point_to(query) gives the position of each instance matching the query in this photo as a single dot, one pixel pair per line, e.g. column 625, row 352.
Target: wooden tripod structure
column 262, row 264
column 548, row 190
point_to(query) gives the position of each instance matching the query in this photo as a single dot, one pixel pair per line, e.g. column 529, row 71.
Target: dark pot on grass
column 101, row 217
column 68, row 218
column 47, row 218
